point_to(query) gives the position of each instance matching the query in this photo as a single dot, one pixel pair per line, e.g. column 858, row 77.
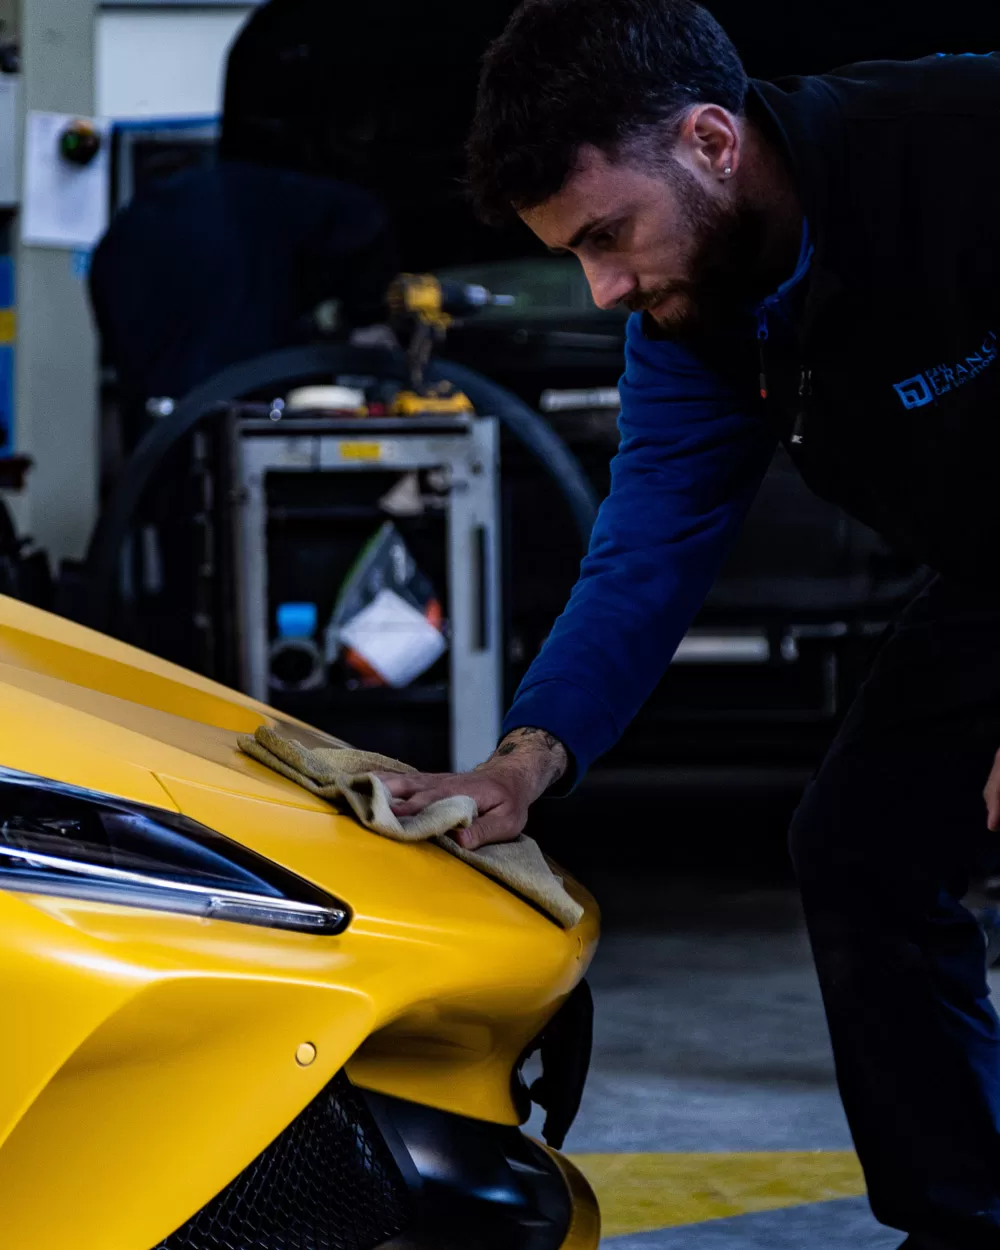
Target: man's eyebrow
column 588, row 227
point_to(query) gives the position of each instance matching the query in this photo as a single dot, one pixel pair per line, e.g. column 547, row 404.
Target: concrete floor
column 712, row 1087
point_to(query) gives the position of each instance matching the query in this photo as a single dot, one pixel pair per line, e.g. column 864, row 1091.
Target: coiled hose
column 276, row 371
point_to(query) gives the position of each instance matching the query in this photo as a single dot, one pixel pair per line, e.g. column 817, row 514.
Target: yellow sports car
column 233, row 1019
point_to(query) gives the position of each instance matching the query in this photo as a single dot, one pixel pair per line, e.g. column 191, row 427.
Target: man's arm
column 690, row 463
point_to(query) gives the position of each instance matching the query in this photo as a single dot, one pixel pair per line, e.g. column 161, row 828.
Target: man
column 815, row 262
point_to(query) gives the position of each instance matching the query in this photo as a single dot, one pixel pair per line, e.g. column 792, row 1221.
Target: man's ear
column 709, row 142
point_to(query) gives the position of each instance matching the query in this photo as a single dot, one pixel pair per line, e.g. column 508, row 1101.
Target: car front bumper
column 360, row 1171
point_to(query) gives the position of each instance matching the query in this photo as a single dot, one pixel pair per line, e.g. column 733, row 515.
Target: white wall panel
column 163, row 62
column 56, row 352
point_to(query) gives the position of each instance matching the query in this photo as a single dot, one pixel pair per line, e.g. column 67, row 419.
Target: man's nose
column 609, row 285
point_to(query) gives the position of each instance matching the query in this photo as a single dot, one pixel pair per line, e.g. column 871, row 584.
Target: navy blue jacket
column 885, row 388
column 689, row 464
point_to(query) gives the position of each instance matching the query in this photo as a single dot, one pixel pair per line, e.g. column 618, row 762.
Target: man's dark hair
column 571, row 72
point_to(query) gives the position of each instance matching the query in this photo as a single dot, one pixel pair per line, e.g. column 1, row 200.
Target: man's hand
column 521, row 769
column 992, row 796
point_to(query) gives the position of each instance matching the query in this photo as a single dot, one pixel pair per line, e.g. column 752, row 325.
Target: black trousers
column 885, row 842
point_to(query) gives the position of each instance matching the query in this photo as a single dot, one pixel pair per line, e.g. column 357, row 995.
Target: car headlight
column 57, row 839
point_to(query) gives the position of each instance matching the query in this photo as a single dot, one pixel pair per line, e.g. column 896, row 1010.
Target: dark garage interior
column 295, row 443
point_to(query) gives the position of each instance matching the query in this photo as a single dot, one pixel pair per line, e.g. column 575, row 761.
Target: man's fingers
column 500, row 819
column 403, row 785
column 494, row 827
column 497, row 827
column 415, row 804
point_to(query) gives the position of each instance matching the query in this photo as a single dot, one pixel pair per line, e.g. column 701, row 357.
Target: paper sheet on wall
column 64, row 205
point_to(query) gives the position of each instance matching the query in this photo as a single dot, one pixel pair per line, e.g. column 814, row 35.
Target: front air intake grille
column 327, row 1183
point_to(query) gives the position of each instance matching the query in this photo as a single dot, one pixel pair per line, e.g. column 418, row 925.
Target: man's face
column 665, row 242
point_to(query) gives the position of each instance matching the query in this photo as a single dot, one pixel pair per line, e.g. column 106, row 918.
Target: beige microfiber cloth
column 343, row 774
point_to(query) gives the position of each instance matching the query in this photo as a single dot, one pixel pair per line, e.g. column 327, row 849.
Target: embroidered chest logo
column 924, row 388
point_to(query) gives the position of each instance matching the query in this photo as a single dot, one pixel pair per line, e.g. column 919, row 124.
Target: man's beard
column 728, row 267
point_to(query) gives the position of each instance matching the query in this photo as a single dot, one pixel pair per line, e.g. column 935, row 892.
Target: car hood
column 83, row 709
column 87, row 710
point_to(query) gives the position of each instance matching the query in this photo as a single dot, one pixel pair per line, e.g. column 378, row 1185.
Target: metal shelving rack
column 467, row 448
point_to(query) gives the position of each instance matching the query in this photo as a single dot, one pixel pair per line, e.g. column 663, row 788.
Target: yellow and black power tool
column 421, row 310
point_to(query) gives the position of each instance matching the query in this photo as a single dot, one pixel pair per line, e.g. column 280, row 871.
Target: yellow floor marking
column 642, row 1192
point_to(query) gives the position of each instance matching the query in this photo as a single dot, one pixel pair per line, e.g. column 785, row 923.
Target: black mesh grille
column 327, row 1183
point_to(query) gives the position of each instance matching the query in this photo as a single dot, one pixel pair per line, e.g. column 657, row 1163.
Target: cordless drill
column 421, row 309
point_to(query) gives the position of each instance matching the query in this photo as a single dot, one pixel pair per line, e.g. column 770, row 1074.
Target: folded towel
column 346, row 775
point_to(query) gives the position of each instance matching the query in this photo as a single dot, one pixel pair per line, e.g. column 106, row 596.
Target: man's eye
column 603, row 240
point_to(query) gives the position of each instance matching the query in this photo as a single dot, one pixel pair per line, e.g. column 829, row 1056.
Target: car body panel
column 584, row 1231
column 138, row 1036
column 120, row 707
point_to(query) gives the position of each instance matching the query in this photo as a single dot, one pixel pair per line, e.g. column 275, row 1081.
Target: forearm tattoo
column 530, row 741
column 536, row 753
column 517, row 738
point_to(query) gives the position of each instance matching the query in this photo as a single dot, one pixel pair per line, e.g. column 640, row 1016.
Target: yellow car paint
column 585, row 1227
column 131, row 1034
